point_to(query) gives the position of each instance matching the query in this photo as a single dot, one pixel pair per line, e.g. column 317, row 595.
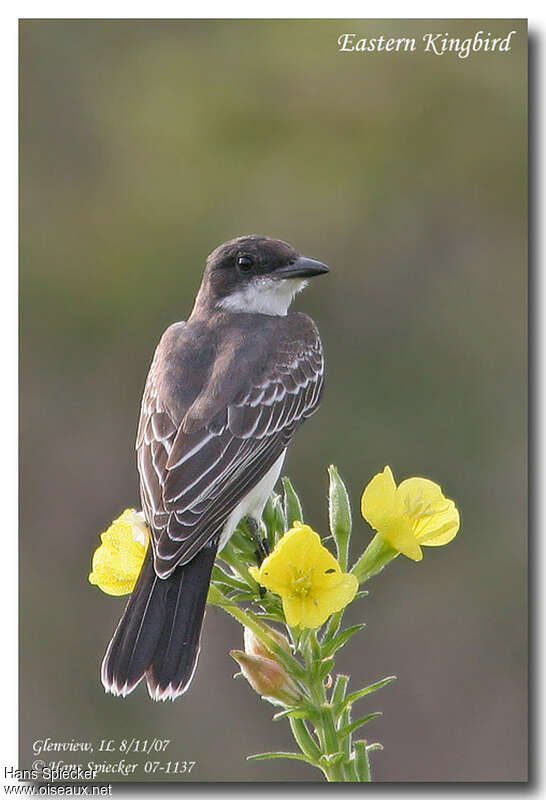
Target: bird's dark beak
column 302, row 268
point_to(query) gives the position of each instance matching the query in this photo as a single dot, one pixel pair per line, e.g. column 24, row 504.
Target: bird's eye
column 245, row 263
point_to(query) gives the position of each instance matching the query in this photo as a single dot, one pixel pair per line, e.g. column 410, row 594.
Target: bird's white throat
column 264, row 296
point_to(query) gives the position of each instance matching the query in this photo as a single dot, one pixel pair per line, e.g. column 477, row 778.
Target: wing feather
column 192, row 481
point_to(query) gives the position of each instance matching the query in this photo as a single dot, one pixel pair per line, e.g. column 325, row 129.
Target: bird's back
column 221, row 403
column 222, row 358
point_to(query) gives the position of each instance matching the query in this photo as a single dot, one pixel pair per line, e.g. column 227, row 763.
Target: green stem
column 349, row 766
column 248, row 620
column 323, row 718
column 376, row 556
column 362, row 762
column 321, row 728
column 349, row 771
column 331, row 742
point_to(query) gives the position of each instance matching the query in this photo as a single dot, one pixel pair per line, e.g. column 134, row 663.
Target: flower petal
column 434, row 518
column 380, row 502
column 296, row 544
column 421, row 496
column 340, row 594
column 439, row 529
column 299, row 549
column 402, row 538
column 326, row 569
column 383, row 507
column 312, row 610
column 304, row 611
column 118, row 561
column 294, row 610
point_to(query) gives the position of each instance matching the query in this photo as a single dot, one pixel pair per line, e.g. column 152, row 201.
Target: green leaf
column 304, row 738
column 242, row 597
column 272, row 617
column 354, row 696
column 294, row 713
column 269, row 617
column 226, row 588
column 294, row 756
column 325, row 667
column 281, row 525
column 332, row 626
column 249, row 620
column 242, row 540
column 340, row 687
column 291, row 664
column 292, row 506
column 314, row 645
column 344, row 721
column 237, row 560
column 339, row 509
column 219, row 576
column 374, row 746
column 268, row 514
column 340, row 639
column 351, row 775
column 274, row 521
column 217, row 598
column 331, row 758
column 353, row 726
column 362, row 762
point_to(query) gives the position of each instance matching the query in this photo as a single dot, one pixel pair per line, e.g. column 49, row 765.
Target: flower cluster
column 302, row 586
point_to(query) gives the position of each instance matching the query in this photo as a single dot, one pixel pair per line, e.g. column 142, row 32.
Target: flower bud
column 255, row 646
column 267, row 678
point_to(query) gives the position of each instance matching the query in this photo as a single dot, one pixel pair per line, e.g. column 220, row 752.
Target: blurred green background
column 144, row 144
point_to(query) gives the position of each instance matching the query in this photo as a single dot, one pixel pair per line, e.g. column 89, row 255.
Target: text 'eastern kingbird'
column 225, row 392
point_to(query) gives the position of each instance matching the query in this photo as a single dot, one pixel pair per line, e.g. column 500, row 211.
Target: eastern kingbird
column 225, row 392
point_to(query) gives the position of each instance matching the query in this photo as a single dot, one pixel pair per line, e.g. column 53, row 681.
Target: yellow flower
column 307, row 577
column 117, row 561
column 412, row 514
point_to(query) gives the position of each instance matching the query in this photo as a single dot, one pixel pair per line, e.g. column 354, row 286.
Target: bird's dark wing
column 196, row 468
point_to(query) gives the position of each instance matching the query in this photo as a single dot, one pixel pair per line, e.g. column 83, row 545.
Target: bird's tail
column 158, row 634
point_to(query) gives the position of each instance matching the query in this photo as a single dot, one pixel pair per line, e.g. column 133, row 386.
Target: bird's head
column 255, row 274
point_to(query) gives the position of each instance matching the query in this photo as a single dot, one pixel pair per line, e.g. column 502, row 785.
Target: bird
column 226, row 390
